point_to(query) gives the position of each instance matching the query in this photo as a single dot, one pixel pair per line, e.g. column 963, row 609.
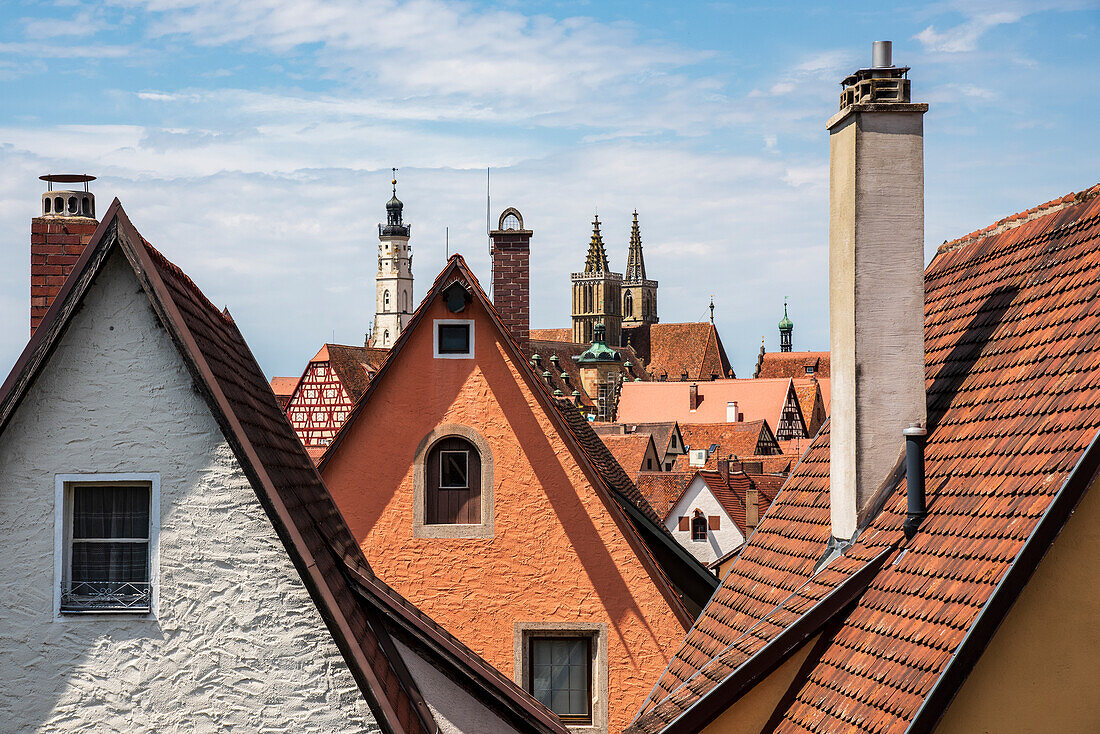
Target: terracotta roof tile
column 662, row 489
column 742, row 439
column 630, row 451
column 1013, row 375
column 675, row 349
column 355, row 366
column 793, row 365
column 552, row 335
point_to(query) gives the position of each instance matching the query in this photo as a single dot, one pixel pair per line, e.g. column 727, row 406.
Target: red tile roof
column 731, row 493
column 566, row 352
column 663, row 489
column 298, row 504
column 743, row 439
column 1012, row 343
column 355, row 366
column 283, row 387
column 811, row 401
column 631, row 451
column 552, row 335
column 792, row 364
column 675, row 349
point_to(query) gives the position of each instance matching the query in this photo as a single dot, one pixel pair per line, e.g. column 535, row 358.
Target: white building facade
column 699, row 522
column 394, row 281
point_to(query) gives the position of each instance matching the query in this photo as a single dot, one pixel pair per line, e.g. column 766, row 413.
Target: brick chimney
column 752, row 506
column 876, row 283
column 512, row 275
column 59, row 237
column 693, row 396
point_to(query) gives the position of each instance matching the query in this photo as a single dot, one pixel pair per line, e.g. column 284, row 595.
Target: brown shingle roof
column 793, row 364
column 1012, row 344
column 299, row 506
column 355, row 366
column 674, row 349
column 747, row 438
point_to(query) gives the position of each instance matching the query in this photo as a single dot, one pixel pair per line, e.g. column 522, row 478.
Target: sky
column 251, row 141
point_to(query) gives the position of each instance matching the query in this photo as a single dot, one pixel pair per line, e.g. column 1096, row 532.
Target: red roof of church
column 693, row 349
column 1013, row 376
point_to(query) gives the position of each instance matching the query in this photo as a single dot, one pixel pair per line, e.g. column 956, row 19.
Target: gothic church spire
column 635, row 263
column 596, row 261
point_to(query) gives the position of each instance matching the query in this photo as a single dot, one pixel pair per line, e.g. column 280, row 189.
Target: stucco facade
column 719, row 542
column 556, row 554
column 237, row 643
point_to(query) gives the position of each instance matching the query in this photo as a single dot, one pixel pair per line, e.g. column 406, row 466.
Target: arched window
column 454, row 483
column 386, row 299
column 386, row 336
column 628, row 304
column 699, row 528
column 47, row 204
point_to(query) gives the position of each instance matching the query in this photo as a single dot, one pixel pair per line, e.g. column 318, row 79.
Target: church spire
column 596, row 262
column 786, row 326
column 635, row 263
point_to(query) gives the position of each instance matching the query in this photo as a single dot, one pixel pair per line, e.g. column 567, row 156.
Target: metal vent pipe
column 915, row 436
column 881, row 51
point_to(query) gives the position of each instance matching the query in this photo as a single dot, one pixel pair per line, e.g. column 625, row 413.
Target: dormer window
column 810, row 369
column 454, row 338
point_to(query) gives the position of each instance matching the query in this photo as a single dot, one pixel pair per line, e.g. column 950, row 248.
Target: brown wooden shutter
column 685, row 523
column 714, row 522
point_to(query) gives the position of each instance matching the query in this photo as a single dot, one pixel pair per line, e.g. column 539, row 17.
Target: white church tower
column 394, row 281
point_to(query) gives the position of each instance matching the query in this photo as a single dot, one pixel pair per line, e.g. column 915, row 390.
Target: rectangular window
column 454, row 470
column 454, row 338
column 809, row 369
column 560, row 672
column 107, row 560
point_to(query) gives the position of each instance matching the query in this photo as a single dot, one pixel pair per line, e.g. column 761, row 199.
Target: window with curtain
column 560, row 676
column 108, row 549
column 454, row 483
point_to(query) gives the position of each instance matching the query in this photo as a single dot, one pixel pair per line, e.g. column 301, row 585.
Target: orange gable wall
column 557, row 555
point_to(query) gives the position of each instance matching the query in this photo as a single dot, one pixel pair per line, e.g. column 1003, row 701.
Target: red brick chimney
column 693, row 396
column 512, row 275
column 59, row 237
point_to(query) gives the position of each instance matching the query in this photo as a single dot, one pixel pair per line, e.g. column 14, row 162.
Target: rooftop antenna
column 448, row 239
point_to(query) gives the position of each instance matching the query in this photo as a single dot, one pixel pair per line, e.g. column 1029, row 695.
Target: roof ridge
column 1015, row 220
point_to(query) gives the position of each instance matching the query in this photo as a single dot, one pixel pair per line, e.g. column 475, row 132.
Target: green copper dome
column 599, row 351
column 786, row 324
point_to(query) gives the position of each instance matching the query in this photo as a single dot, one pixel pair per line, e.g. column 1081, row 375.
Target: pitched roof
column 652, row 401
column 662, row 489
column 1013, row 363
column 283, row 387
column 675, row 349
column 354, row 366
column 312, row 530
column 811, row 402
column 792, row 364
column 671, row 567
column 742, row 439
column 552, row 335
column 732, row 494
column 661, row 432
column 630, row 451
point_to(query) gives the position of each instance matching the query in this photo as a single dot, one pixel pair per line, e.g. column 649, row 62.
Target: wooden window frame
column 699, row 520
column 567, row 719
column 465, row 472
column 523, row 631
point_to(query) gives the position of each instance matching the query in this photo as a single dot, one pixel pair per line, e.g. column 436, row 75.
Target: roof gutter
column 1007, row 591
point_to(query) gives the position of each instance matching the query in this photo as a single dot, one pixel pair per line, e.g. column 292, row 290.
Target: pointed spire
column 786, row 326
column 596, row 262
column 635, row 263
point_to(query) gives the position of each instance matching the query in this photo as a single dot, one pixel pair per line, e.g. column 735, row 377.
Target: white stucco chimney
column 876, row 283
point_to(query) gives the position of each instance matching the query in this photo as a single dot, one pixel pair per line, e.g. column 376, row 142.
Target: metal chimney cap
column 67, row 178
column 881, row 51
column 915, row 429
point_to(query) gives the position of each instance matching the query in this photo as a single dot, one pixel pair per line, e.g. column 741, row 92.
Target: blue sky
column 251, row 141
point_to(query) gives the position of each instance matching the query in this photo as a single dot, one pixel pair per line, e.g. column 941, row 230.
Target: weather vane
column 394, row 181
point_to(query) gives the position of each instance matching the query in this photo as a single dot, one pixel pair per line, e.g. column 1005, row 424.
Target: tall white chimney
column 876, row 283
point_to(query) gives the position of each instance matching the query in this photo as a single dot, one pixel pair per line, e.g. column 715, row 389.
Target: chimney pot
column 916, row 509
column 511, row 252
column 724, row 469
column 881, row 51
column 67, row 221
column 752, row 506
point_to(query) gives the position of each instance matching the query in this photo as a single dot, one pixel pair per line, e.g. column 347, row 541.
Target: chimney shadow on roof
column 960, row 362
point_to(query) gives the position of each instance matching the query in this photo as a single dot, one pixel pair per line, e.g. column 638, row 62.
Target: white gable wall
column 238, row 643
column 719, row 542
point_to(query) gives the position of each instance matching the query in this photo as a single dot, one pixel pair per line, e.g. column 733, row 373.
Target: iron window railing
column 106, row 596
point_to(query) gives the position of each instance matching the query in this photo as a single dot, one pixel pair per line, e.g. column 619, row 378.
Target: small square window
column 454, row 339
column 454, row 470
column 561, row 676
column 809, row 369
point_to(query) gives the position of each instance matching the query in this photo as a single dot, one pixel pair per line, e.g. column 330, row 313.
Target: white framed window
column 453, row 338
column 106, row 535
column 564, row 666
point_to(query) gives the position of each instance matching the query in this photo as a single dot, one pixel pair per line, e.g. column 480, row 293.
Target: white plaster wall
column 238, row 644
column 719, row 542
column 455, row 710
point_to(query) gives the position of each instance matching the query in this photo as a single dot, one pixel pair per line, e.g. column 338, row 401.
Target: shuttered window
column 715, row 522
column 454, row 483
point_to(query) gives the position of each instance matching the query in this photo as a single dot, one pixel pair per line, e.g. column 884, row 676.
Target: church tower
column 639, row 294
column 597, row 294
column 786, row 326
column 394, row 280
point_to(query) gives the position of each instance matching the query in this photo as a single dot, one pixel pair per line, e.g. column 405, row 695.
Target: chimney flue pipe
column 881, row 51
column 915, row 436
